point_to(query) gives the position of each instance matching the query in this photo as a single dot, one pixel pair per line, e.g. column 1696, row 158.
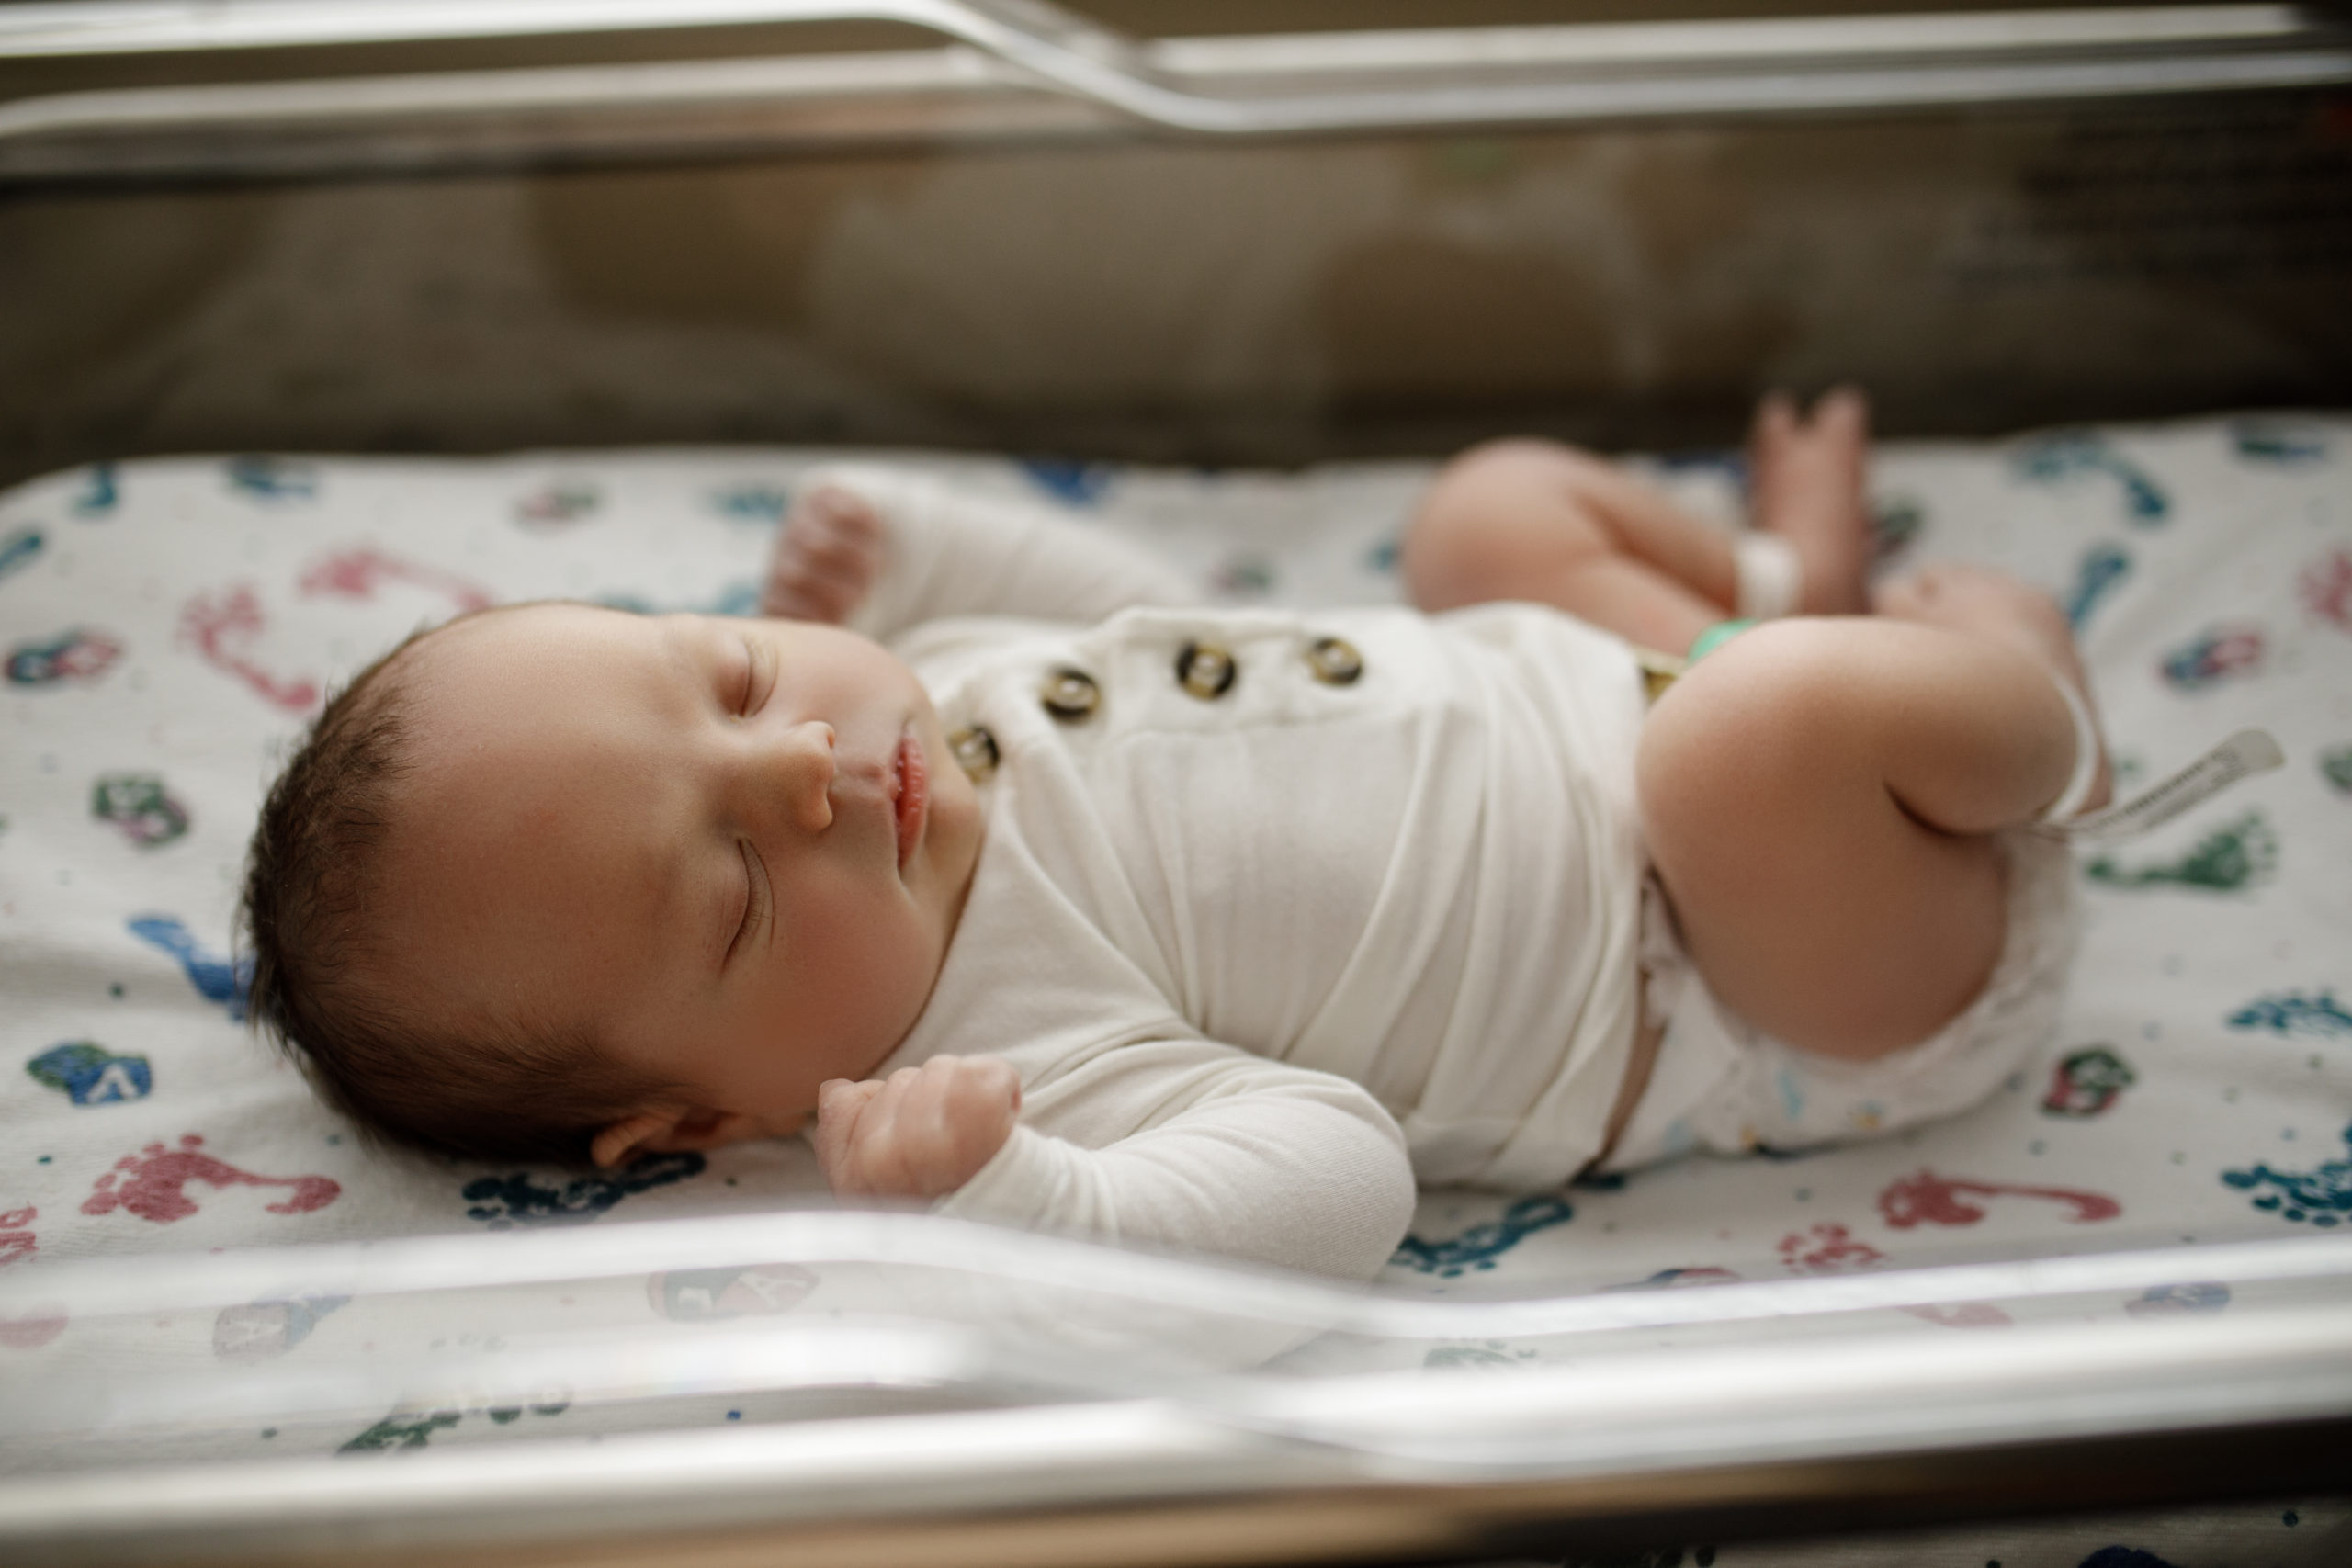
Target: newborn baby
column 1070, row 903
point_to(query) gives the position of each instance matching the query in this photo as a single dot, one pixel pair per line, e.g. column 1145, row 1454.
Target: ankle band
column 2079, row 788
column 1714, row 637
column 1770, row 576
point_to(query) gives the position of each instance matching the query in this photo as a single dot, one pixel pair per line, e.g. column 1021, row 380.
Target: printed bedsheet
column 168, row 624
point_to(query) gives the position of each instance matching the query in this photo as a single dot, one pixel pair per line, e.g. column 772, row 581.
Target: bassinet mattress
column 168, row 625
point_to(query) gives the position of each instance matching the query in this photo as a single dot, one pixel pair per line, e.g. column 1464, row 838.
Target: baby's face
column 733, row 850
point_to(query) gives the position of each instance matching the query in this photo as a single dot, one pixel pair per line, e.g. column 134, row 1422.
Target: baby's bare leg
column 1816, row 797
column 1534, row 520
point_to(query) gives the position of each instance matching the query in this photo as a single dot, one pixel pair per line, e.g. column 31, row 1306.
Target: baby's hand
column 826, row 558
column 923, row 1132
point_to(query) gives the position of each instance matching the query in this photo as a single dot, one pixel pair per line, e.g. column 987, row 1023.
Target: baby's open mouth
column 909, row 794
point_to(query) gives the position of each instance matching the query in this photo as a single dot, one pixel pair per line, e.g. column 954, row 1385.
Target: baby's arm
column 882, row 549
column 1171, row 1142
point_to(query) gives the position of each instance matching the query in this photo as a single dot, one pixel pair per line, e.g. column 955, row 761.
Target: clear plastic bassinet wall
column 1204, row 235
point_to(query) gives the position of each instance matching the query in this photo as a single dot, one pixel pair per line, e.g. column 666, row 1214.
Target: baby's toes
column 1774, row 426
column 835, row 528
column 1843, row 412
column 1907, row 598
column 826, row 557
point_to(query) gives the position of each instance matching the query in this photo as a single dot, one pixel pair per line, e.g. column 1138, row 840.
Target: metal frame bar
column 1018, row 67
column 1763, row 1426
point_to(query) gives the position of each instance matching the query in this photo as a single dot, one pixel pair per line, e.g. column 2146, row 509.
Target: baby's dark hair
column 510, row 1089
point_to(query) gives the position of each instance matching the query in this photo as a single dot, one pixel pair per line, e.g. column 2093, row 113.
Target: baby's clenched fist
column 826, row 558
column 922, row 1132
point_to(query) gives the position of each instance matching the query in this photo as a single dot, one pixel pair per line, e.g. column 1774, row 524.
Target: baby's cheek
column 860, row 969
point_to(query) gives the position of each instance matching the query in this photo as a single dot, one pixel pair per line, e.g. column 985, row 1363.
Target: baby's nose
column 805, row 758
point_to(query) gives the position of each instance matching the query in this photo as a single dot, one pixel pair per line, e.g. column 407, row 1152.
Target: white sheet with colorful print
column 168, row 623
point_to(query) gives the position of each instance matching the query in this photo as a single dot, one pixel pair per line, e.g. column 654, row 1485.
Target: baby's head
column 560, row 882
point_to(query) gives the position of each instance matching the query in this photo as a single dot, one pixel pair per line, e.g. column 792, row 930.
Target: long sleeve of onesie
column 948, row 554
column 1188, row 1144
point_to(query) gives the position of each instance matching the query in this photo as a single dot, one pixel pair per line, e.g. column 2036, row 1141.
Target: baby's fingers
column 923, row 1133
column 841, row 1108
column 958, row 1115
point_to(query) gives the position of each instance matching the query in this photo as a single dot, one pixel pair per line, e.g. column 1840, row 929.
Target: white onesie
column 1276, row 910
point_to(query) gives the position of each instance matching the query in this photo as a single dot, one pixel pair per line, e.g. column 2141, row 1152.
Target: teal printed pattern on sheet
column 2322, row 1196
column 1478, row 1247
column 504, row 1202
column 100, row 493
column 147, row 813
column 1677, row 1278
column 1071, row 482
column 2103, row 566
column 400, row 1431
column 414, row 1428
column 2205, row 1296
column 1896, row 523
column 751, row 503
column 2054, row 458
column 216, row 979
column 1249, row 576
column 2277, row 441
column 2335, row 767
column 740, row 597
column 2087, row 1082
column 20, row 550
column 2217, row 654
column 260, row 1331
column 77, row 653
column 89, row 1073
column 2230, row 858
column 2317, row 1017
column 272, row 479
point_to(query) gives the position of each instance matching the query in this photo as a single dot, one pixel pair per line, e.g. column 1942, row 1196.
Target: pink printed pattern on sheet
column 224, row 627
column 153, row 1184
column 357, row 573
column 41, row 1324
column 1925, row 1198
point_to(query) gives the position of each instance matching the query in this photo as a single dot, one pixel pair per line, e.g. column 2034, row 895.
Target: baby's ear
column 669, row 1129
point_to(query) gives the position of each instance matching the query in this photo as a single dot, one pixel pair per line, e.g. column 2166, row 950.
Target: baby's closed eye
column 756, row 897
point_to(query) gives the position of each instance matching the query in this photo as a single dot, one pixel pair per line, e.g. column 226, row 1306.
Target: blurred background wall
column 1184, row 300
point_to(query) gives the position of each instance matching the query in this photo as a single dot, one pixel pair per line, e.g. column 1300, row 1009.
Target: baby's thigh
column 1499, row 521
column 1812, row 903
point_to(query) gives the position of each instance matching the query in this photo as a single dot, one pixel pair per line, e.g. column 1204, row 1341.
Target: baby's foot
column 826, row 558
column 1806, row 483
column 1997, row 607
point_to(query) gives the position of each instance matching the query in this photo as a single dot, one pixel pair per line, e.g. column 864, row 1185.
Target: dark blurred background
column 1132, row 294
